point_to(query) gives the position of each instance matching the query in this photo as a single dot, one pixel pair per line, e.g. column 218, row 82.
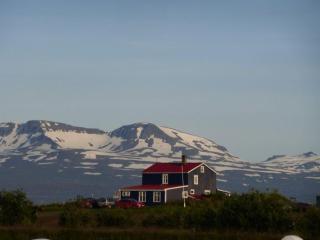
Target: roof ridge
column 171, row 167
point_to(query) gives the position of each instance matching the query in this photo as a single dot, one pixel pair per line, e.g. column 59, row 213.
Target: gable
column 207, row 167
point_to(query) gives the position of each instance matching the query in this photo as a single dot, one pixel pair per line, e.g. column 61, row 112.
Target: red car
column 89, row 203
column 129, row 203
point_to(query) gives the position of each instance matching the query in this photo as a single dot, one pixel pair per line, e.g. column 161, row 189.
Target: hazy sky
column 243, row 73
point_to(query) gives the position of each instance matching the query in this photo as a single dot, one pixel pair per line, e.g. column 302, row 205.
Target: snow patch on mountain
column 306, row 162
column 115, row 165
column 137, row 166
column 77, row 140
column 92, row 173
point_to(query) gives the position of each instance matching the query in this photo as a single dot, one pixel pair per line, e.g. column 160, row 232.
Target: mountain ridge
column 47, row 152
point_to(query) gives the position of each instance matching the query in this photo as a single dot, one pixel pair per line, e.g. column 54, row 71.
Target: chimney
column 183, row 159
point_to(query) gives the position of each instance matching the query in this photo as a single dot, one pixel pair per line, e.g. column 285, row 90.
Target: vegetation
column 15, row 208
column 309, row 223
column 252, row 215
column 253, row 212
column 130, row 234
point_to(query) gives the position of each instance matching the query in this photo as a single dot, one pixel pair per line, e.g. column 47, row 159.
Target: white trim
column 153, row 190
column 203, row 164
column 202, row 169
column 165, row 195
column 177, row 187
column 210, row 168
column 224, row 191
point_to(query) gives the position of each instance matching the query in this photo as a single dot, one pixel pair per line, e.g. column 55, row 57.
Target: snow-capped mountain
column 14, row 136
column 306, row 162
column 41, row 140
column 54, row 161
column 147, row 139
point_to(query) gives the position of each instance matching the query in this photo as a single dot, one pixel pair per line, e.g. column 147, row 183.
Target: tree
column 15, row 208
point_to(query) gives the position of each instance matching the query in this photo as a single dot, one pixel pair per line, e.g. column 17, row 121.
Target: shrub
column 170, row 217
column 73, row 216
column 200, row 217
column 113, row 217
column 309, row 223
column 257, row 211
column 15, row 208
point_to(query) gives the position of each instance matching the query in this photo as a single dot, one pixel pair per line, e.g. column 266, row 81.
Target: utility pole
column 183, row 159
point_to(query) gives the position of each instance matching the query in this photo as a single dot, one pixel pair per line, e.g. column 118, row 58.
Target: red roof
column 151, row 187
column 171, row 167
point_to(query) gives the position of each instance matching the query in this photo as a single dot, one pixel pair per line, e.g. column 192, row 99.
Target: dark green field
column 27, row 233
column 47, row 226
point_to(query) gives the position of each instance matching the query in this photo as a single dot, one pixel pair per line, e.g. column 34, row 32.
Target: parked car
column 89, row 203
column 129, row 203
column 105, row 202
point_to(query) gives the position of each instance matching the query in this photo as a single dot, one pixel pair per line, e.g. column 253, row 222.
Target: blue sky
column 243, row 73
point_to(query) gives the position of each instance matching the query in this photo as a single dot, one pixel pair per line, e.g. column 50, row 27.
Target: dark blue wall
column 149, row 197
column 156, row 178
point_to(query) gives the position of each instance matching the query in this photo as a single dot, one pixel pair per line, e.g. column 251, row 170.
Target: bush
column 15, row 208
column 200, row 218
column 251, row 212
column 164, row 216
column 113, row 217
column 256, row 211
column 309, row 223
column 73, row 216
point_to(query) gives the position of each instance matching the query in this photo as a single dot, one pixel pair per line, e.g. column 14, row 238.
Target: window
column 142, row 196
column 202, row 169
column 195, row 179
column 207, row 192
column 184, row 194
column 156, row 196
column 125, row 194
column 165, row 178
column 191, row 191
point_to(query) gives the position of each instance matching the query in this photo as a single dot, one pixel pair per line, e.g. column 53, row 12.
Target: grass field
column 47, row 226
column 127, row 234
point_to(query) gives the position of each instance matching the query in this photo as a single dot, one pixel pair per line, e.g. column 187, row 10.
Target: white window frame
column 202, row 169
column 207, row 192
column 142, row 196
column 125, row 194
column 195, row 179
column 192, row 191
column 156, row 197
column 165, row 178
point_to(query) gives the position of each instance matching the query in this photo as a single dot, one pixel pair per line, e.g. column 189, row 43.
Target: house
column 164, row 182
